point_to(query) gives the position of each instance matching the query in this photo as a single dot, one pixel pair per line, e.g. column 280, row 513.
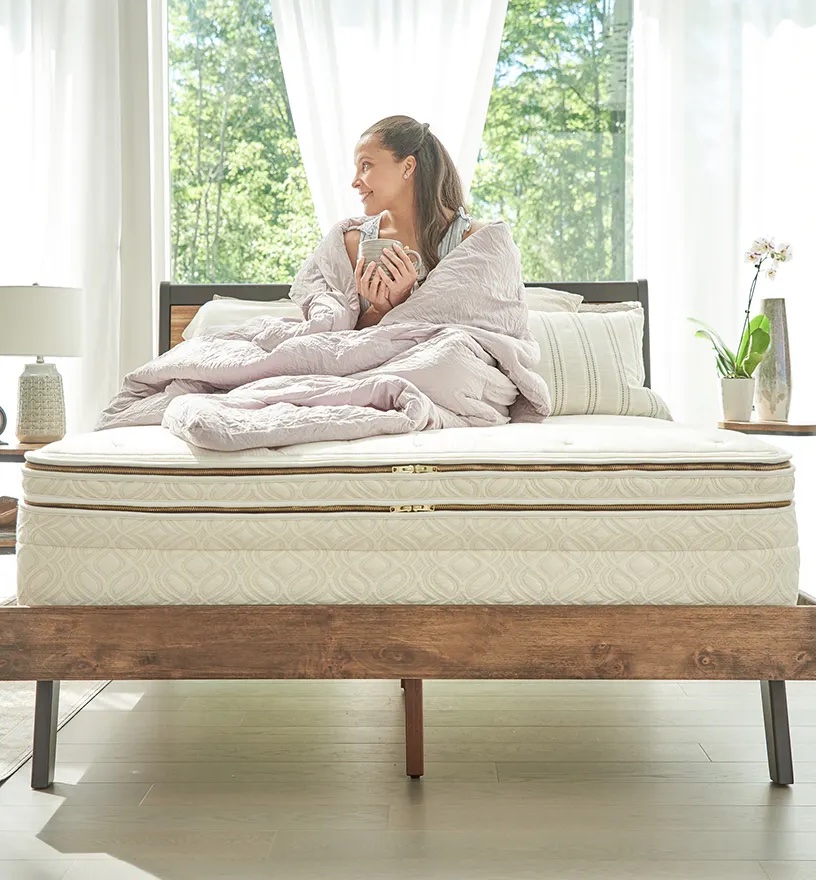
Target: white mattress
column 577, row 510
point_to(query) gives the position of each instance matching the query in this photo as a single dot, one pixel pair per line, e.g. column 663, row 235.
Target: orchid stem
column 748, row 310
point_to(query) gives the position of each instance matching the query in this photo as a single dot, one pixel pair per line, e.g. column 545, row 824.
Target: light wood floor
column 297, row 780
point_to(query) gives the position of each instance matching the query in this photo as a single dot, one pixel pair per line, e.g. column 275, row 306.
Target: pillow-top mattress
column 576, row 510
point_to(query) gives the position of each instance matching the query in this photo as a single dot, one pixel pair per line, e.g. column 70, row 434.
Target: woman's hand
column 382, row 292
column 400, row 265
column 370, row 286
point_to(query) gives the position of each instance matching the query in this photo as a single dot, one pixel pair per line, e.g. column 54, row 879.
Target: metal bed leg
column 777, row 731
column 46, row 714
column 414, row 736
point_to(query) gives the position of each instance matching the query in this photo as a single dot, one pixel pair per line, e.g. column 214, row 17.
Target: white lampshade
column 38, row 320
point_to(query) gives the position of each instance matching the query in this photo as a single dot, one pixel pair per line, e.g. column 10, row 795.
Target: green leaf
column 758, row 322
column 715, row 337
column 704, row 334
column 723, row 367
column 725, row 358
column 742, row 349
column 760, row 340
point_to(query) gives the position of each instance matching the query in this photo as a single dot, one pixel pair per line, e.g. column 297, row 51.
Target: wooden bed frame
column 769, row 644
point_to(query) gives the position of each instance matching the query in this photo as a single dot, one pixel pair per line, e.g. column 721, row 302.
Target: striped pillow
column 593, row 363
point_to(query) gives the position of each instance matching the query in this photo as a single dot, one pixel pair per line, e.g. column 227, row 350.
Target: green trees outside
column 553, row 156
column 240, row 198
column 552, row 161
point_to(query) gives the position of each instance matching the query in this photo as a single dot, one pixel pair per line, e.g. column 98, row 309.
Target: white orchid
column 784, row 254
column 755, row 338
column 762, row 245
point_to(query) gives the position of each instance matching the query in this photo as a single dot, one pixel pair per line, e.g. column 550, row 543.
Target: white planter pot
column 737, row 399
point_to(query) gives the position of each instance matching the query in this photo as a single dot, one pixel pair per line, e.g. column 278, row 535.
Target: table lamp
column 40, row 321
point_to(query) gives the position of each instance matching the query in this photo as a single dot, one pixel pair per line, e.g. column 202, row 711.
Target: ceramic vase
column 737, row 399
column 773, row 391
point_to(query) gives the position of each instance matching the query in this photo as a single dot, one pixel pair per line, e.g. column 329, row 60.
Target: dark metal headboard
column 171, row 295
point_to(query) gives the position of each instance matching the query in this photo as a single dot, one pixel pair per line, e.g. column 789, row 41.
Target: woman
column 405, row 178
column 458, row 354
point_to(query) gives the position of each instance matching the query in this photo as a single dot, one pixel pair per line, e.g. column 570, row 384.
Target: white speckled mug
column 371, row 250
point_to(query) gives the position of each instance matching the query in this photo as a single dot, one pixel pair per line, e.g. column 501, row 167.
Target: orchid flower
column 755, row 337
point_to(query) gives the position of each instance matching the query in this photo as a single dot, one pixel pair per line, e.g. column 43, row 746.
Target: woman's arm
column 352, row 242
column 369, row 318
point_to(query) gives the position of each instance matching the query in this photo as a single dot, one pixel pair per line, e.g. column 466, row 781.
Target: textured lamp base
column 41, row 404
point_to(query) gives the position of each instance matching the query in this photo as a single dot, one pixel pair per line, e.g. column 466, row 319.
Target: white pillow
column 228, row 312
column 546, row 299
column 593, row 363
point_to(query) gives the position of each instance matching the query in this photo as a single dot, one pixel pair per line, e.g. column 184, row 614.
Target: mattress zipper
column 405, row 469
column 417, row 508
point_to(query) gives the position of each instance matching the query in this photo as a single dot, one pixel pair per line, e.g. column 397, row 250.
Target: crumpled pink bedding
column 456, row 353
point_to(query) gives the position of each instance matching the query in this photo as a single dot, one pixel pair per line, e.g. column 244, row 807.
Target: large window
column 553, row 161
column 240, row 199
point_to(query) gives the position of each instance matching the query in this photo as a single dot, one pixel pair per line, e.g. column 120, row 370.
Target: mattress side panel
column 719, row 557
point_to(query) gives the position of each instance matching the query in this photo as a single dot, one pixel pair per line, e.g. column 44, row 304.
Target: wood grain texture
column 180, row 317
column 414, row 731
column 408, row 641
column 8, row 537
column 769, row 428
column 15, row 450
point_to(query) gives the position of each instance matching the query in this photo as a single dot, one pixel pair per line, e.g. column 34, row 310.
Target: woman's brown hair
column 437, row 185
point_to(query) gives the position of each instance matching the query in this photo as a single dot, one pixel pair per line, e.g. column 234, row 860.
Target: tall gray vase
column 773, row 391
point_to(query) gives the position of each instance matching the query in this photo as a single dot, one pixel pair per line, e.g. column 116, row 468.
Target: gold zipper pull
column 423, row 507
column 426, row 468
column 403, row 508
column 402, row 469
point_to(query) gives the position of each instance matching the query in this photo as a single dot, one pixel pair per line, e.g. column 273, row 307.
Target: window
column 553, row 161
column 241, row 209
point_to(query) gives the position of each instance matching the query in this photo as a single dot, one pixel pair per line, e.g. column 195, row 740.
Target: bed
column 589, row 546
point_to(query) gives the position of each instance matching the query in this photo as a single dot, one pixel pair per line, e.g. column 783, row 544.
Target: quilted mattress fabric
column 577, row 510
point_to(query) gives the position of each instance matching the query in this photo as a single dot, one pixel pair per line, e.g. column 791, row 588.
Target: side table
column 791, row 429
column 10, row 453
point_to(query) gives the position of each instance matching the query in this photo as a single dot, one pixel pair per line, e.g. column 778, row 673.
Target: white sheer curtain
column 348, row 63
column 85, row 177
column 724, row 147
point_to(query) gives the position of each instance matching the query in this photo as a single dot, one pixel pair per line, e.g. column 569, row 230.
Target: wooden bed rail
column 408, row 642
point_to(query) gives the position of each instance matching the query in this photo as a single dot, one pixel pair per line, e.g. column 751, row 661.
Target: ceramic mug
column 371, row 251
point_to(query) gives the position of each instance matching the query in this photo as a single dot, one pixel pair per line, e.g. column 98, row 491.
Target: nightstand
column 789, row 429
column 13, row 452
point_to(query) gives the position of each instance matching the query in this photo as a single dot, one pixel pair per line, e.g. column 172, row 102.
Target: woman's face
column 379, row 177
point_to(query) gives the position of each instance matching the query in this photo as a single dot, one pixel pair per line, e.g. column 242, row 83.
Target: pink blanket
column 456, row 353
